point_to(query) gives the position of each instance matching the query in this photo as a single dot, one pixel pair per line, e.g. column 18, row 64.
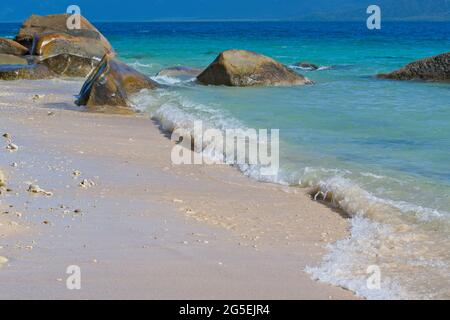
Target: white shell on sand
column 3, row 260
column 34, row 188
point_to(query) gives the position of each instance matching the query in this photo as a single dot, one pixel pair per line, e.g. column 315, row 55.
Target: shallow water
column 381, row 148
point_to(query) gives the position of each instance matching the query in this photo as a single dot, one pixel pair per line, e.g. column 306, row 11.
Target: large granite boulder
column 110, row 85
column 51, row 44
column 8, row 46
column 435, row 68
column 37, row 26
column 245, row 68
column 69, row 65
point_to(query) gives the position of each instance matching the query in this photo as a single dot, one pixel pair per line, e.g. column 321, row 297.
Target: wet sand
column 141, row 227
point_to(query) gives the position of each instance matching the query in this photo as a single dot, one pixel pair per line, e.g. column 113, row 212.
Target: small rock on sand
column 12, row 147
column 76, row 173
column 37, row 97
column 86, row 183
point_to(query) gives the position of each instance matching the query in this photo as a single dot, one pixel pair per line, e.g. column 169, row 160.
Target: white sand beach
column 142, row 228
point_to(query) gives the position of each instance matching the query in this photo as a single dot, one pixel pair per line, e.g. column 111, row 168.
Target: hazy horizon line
column 413, row 19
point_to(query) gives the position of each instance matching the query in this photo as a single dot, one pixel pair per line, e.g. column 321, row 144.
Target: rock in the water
column 180, row 72
column 68, row 65
column 28, row 72
column 9, row 59
column 111, row 84
column 246, row 68
column 306, row 65
column 8, row 46
column 435, row 68
column 37, row 26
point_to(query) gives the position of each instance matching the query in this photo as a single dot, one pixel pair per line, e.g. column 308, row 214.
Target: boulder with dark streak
column 435, row 68
column 110, row 85
column 245, row 68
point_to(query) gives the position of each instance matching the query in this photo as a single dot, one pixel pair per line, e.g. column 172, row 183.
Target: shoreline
column 210, row 231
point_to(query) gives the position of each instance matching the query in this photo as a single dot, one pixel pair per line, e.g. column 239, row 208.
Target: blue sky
column 142, row 10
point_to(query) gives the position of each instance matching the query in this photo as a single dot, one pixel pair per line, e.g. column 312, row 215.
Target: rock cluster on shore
column 45, row 48
column 435, row 68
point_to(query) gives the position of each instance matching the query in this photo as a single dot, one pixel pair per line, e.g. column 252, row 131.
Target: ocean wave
column 137, row 64
column 166, row 80
column 320, row 68
column 398, row 237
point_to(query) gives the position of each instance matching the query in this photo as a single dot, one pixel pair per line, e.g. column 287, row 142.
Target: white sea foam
column 348, row 260
column 137, row 64
column 166, row 80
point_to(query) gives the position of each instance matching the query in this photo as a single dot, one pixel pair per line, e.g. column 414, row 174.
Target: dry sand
column 141, row 227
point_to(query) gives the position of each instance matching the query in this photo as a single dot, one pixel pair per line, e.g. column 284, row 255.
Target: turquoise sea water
column 381, row 148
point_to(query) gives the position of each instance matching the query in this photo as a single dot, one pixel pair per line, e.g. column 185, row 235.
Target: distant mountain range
column 399, row 10
column 312, row 10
